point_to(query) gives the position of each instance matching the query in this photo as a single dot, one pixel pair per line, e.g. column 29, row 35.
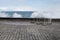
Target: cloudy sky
column 31, row 4
column 46, row 7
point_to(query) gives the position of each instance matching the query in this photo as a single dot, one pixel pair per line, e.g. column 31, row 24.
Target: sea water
column 25, row 14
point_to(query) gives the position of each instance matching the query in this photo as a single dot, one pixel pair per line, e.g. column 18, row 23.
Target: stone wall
column 28, row 19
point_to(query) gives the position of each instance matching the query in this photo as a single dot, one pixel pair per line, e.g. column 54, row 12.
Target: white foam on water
column 15, row 15
column 3, row 15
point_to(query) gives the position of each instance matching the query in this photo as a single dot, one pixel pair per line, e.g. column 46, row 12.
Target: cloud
column 15, row 15
column 24, row 8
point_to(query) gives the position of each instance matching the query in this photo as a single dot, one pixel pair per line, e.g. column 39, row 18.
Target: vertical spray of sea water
column 41, row 15
column 36, row 15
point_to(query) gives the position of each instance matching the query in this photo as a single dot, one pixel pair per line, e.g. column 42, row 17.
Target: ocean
column 24, row 14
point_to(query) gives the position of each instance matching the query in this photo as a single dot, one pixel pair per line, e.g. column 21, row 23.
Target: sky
column 45, row 7
column 30, row 4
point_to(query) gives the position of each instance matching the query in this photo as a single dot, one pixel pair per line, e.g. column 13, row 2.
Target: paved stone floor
column 28, row 32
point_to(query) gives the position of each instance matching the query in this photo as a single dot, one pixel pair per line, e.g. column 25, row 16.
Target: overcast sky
column 31, row 4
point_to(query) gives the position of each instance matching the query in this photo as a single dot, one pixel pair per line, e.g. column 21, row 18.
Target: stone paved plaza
column 29, row 32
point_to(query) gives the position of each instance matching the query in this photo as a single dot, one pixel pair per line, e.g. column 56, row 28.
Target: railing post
column 50, row 20
column 44, row 21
